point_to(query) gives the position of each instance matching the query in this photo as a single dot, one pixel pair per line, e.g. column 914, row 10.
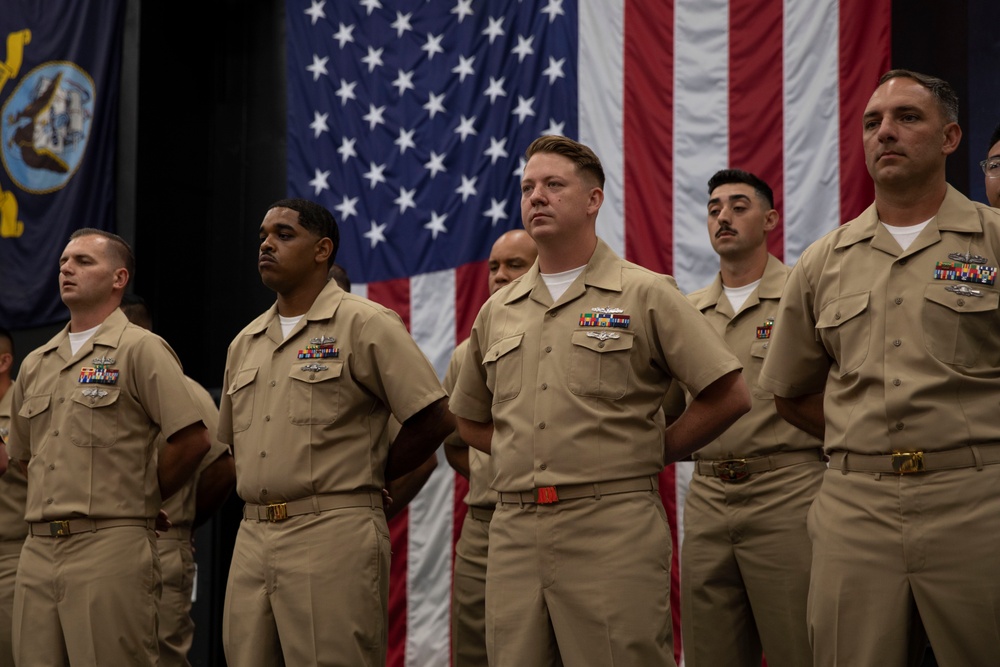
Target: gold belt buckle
column 906, row 462
column 733, row 470
column 277, row 512
column 59, row 528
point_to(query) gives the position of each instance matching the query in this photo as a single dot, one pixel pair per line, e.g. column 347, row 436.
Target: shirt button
column 836, row 316
column 263, row 492
column 601, row 344
column 49, row 501
column 899, row 300
column 267, row 418
column 312, row 376
column 897, row 342
column 542, row 425
column 62, row 400
column 542, row 467
column 548, row 348
column 961, row 302
column 56, row 432
column 52, row 466
column 897, row 382
column 552, row 314
column 899, row 426
column 545, row 385
column 263, row 455
column 272, row 383
column 902, row 262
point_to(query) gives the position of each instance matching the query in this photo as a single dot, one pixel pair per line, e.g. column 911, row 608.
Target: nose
column 536, row 196
column 886, row 130
column 265, row 243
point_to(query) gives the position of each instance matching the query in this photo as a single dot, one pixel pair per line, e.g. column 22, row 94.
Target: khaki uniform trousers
column 309, row 590
column 745, row 568
column 582, row 582
column 174, row 608
column 468, row 593
column 897, row 555
column 91, row 595
column 10, row 551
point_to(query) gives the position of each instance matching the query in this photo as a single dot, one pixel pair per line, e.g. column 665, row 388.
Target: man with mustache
column 308, row 391
column 886, row 346
column 754, row 484
column 565, row 372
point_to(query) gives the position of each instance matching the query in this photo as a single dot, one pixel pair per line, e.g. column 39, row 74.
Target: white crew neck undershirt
column 738, row 295
column 288, row 323
column 905, row 236
column 558, row 283
column 76, row 340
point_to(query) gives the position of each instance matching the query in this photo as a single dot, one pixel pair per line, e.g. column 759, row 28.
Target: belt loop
column 520, row 500
column 843, row 464
column 976, row 455
column 597, row 491
column 315, row 504
column 93, row 526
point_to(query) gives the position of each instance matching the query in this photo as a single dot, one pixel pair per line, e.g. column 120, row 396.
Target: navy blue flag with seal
column 59, row 79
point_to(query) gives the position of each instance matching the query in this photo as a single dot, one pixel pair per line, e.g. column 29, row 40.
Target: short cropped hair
column 582, row 156
column 726, row 176
column 940, row 88
column 120, row 248
column 338, row 274
column 994, row 138
column 137, row 311
column 6, row 342
column 316, row 219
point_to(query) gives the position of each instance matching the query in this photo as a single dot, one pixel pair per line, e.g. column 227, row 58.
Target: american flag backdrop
column 409, row 120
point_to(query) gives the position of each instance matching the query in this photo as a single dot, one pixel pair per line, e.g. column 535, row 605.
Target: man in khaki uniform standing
column 565, row 370
column 13, row 491
column 309, row 387
column 87, row 409
column 511, row 256
column 886, row 345
column 746, row 554
column 199, row 498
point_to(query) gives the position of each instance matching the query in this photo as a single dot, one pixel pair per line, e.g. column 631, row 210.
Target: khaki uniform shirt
column 908, row 356
column 92, row 445
column 761, row 431
column 574, row 404
column 13, row 485
column 480, row 475
column 307, row 426
column 182, row 506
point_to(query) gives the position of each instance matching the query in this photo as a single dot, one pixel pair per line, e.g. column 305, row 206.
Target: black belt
column 311, row 505
column 737, row 470
column 68, row 527
column 902, row 463
column 548, row 495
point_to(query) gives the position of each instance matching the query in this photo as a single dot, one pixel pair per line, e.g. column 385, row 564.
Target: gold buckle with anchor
column 59, row 528
column 277, row 512
column 733, row 470
column 907, row 462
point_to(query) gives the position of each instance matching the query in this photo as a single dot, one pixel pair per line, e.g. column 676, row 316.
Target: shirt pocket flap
column 502, row 347
column 34, row 406
column 842, row 309
column 758, row 348
column 96, row 396
column 317, row 371
column 985, row 301
column 242, row 379
column 601, row 341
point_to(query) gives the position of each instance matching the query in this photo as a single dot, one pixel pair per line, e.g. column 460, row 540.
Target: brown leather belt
column 68, row 527
column 311, row 505
column 481, row 513
column 737, row 470
column 548, row 495
column 182, row 533
column 902, row 463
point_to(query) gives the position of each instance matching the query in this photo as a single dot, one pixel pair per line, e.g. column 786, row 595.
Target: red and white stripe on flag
column 670, row 92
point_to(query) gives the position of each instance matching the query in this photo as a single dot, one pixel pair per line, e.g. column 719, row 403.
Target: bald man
column 512, row 255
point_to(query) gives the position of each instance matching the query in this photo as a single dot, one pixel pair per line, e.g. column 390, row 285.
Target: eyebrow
column 280, row 226
column 732, row 198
